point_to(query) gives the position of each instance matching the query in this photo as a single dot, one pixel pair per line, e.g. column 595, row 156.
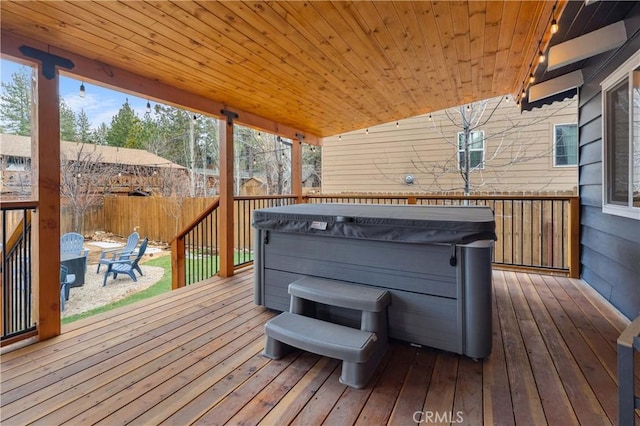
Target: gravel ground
column 92, row 294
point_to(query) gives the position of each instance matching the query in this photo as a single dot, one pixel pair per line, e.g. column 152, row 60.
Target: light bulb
column 554, row 26
column 82, row 91
column 148, row 107
column 531, row 78
column 541, row 57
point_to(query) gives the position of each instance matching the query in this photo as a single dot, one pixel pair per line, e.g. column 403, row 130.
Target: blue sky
column 99, row 104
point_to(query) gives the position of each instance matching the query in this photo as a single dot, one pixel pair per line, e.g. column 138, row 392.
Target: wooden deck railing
column 534, row 232
column 194, row 251
column 16, row 297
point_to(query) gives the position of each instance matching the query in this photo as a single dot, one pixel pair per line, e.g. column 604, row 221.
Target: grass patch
column 199, row 268
column 160, row 287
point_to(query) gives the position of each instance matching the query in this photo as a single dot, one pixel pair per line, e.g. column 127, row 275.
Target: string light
column 367, row 131
column 148, row 107
column 397, row 124
column 339, row 137
column 83, row 93
column 541, row 56
column 429, row 117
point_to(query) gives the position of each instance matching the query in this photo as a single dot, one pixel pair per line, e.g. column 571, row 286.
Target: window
column 565, row 145
column 476, row 150
column 621, row 140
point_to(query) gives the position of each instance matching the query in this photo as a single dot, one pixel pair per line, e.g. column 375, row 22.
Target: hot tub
column 434, row 260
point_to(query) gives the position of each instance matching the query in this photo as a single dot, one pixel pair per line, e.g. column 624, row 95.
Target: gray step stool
column 359, row 349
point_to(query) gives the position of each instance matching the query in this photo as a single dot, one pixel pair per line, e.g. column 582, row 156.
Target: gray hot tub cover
column 411, row 224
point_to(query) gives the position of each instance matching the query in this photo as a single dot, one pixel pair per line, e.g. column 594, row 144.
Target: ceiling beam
column 125, row 81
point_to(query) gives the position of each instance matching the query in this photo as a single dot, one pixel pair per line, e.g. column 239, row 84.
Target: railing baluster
column 16, row 291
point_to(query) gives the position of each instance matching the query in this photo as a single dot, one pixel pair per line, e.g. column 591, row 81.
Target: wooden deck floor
column 193, row 356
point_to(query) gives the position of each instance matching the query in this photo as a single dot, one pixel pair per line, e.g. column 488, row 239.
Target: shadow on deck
column 194, row 356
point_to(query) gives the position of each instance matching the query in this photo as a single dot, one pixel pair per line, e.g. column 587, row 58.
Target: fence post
column 574, row 237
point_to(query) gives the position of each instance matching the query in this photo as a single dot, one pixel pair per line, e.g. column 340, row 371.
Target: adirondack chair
column 65, row 280
column 121, row 253
column 71, row 244
column 126, row 266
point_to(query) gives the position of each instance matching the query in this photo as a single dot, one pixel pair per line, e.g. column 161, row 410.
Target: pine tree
column 83, row 127
column 67, row 122
column 123, row 127
column 15, row 103
column 99, row 135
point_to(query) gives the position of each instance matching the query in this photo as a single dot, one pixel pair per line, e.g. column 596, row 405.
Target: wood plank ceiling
column 322, row 67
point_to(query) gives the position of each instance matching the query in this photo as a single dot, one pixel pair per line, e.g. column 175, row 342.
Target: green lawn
column 161, row 286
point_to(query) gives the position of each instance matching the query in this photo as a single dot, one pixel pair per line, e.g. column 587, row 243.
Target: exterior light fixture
column 83, row 93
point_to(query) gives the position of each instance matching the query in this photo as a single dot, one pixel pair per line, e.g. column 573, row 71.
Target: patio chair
column 121, row 253
column 126, row 266
column 71, row 244
column 65, row 280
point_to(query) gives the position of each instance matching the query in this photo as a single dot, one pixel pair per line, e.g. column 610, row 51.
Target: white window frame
column 555, row 158
column 625, row 71
column 458, row 150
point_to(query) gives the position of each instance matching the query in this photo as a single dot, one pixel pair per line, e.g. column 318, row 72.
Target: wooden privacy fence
column 157, row 218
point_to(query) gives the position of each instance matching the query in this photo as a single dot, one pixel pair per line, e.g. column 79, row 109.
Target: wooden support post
column 45, row 165
column 628, row 343
column 178, row 276
column 574, row 237
column 296, row 169
column 226, row 196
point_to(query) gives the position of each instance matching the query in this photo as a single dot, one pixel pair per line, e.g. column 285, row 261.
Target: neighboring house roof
column 20, row 146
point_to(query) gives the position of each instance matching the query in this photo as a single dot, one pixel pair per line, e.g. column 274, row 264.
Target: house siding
column 610, row 245
column 378, row 161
